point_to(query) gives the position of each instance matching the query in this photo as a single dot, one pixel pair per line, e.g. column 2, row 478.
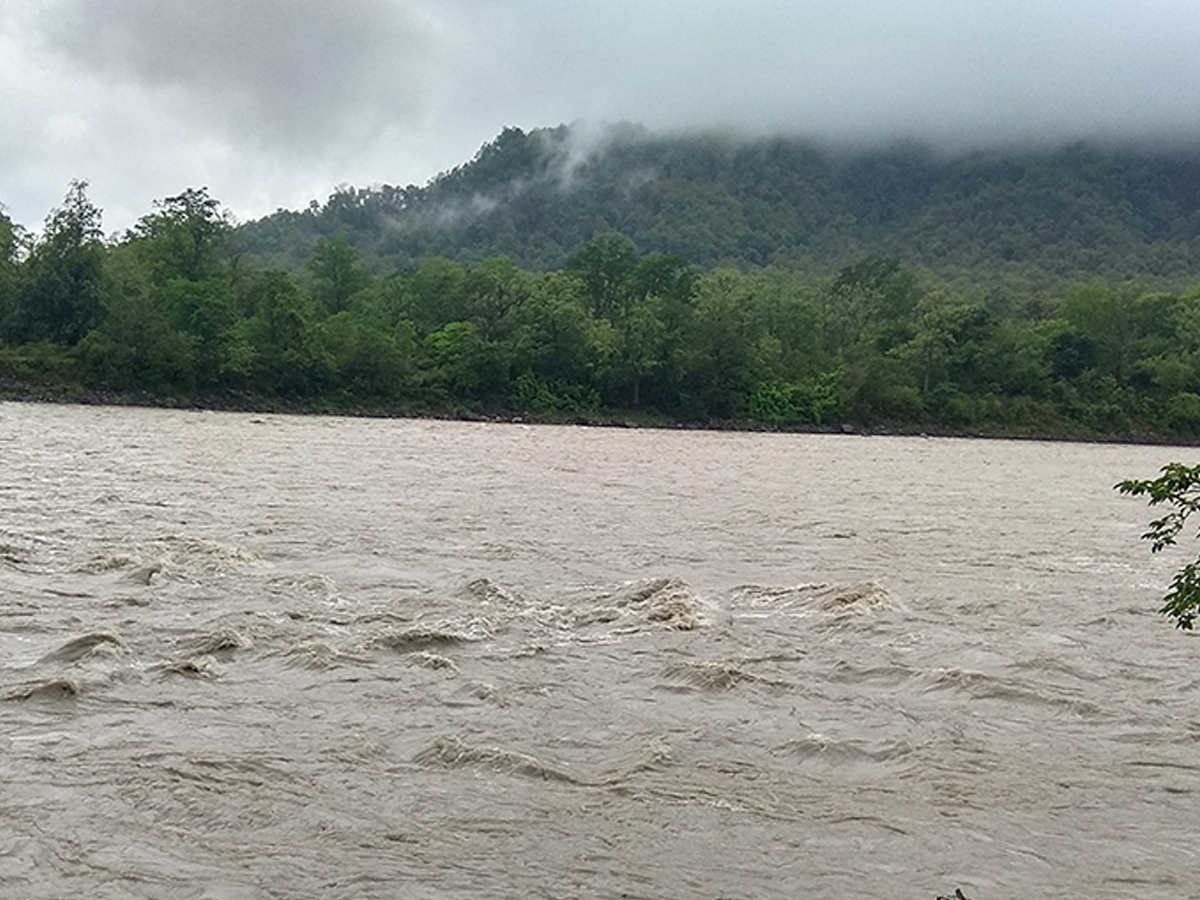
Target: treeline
column 171, row 311
column 1032, row 218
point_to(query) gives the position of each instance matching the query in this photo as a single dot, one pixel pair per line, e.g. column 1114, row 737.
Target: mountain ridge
column 1071, row 212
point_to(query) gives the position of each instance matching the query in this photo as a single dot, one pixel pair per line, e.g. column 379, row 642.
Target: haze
column 273, row 103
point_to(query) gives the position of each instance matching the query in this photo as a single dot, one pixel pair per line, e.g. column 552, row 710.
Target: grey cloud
column 270, row 102
column 291, row 71
column 944, row 70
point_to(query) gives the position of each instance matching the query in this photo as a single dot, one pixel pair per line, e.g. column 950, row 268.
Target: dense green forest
column 691, row 280
column 1025, row 219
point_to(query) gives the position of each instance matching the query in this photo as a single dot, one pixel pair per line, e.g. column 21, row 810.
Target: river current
column 257, row 656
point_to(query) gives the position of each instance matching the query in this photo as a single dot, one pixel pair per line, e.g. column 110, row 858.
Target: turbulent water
column 272, row 657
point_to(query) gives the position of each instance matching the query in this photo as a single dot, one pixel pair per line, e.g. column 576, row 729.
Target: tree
column 493, row 289
column 873, row 290
column 185, row 237
column 1178, row 487
column 719, row 352
column 467, row 366
column 9, row 234
column 280, row 331
column 206, row 314
column 135, row 347
column 10, row 244
column 946, row 343
column 59, row 291
column 554, row 333
column 641, row 347
column 369, row 361
column 604, row 266
column 338, row 273
column 437, row 294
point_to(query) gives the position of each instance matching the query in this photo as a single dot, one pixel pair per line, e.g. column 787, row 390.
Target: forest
column 648, row 280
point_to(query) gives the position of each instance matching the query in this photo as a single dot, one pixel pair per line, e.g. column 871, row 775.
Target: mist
column 274, row 103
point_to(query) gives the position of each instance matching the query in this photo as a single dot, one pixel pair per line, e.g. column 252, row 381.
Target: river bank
column 23, row 391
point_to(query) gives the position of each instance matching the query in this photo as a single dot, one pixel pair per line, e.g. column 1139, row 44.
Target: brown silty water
column 272, row 657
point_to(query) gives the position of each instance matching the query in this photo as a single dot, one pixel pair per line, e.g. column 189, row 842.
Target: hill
column 1038, row 216
column 688, row 279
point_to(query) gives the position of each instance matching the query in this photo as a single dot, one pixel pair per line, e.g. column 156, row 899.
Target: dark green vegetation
column 1019, row 219
column 1179, row 487
column 657, row 279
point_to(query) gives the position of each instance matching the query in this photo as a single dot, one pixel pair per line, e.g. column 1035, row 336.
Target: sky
column 273, row 103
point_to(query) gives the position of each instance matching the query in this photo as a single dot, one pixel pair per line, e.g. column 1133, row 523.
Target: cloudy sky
column 272, row 103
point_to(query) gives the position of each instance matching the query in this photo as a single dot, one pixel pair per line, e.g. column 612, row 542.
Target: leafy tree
column 650, row 328
column 386, row 302
column 664, row 275
column 813, row 400
column 641, row 347
column 59, row 291
column 280, row 332
column 1178, row 487
column 370, row 362
column 338, row 273
column 10, row 243
column 878, row 387
column 947, row 343
column 135, row 347
column 185, row 237
column 9, row 239
column 206, row 313
column 467, row 366
column 1071, row 354
column 719, row 350
column 184, row 248
column 785, row 310
column 1181, row 412
column 493, row 289
column 874, row 290
column 555, row 335
column 437, row 294
column 604, row 265
column 1013, row 358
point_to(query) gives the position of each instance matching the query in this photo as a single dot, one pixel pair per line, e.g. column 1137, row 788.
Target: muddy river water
column 249, row 657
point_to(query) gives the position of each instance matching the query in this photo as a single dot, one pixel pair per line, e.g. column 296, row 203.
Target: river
column 261, row 656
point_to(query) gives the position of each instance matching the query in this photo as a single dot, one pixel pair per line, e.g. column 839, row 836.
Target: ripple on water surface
column 571, row 662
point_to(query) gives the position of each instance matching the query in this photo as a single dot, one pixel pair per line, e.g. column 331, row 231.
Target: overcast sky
column 272, row 103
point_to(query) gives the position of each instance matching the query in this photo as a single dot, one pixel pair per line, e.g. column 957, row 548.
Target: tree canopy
column 176, row 309
column 1033, row 217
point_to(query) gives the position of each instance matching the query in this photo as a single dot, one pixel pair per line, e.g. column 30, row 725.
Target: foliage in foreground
column 1178, row 487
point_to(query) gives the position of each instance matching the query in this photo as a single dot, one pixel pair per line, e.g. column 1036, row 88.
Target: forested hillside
column 1029, row 218
column 661, row 280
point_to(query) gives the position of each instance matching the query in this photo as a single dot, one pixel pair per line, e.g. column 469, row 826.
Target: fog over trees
column 271, row 103
column 700, row 279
